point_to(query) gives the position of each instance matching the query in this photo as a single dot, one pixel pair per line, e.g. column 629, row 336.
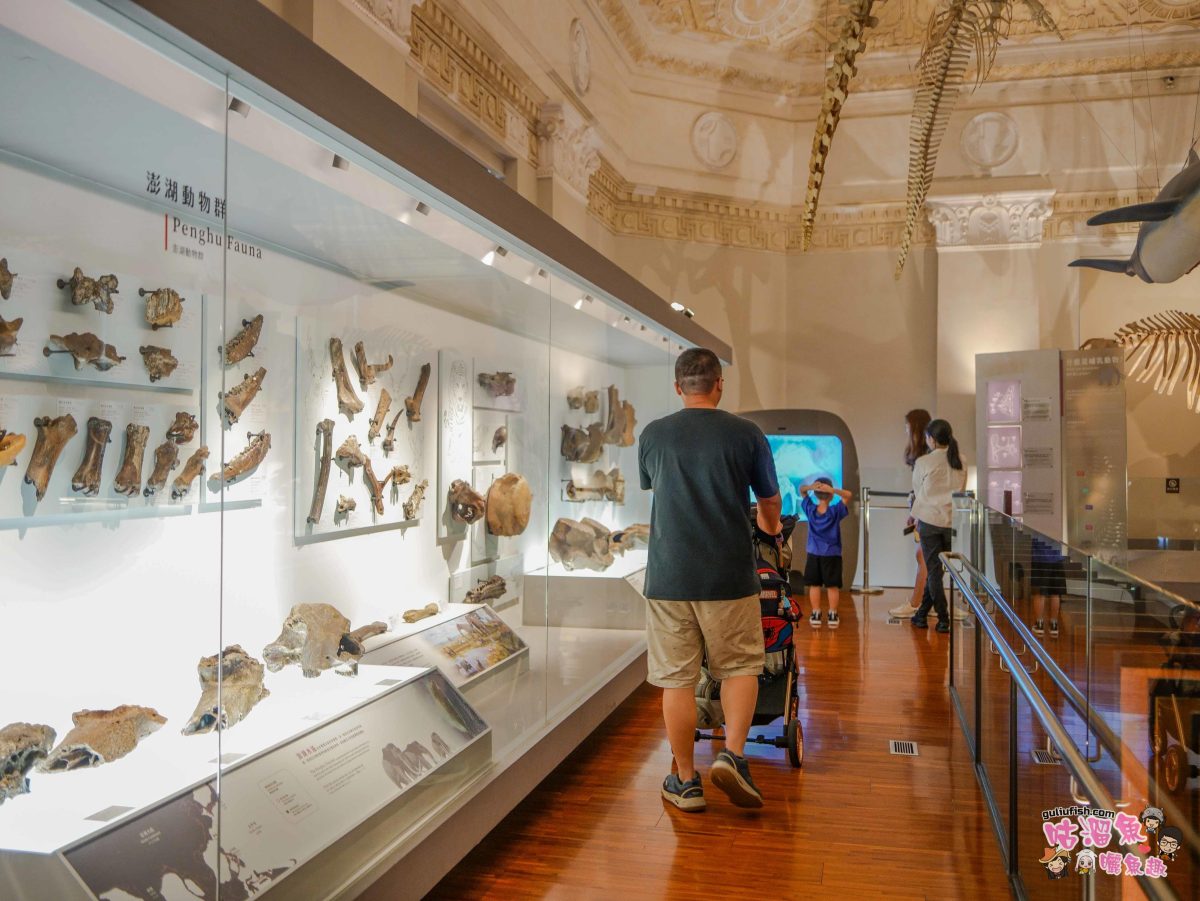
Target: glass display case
column 320, row 500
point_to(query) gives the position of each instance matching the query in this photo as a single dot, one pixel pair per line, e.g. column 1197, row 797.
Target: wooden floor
column 854, row 822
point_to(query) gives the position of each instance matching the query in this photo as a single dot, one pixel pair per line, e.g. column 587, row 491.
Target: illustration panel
column 1004, row 447
column 1004, row 401
column 455, row 437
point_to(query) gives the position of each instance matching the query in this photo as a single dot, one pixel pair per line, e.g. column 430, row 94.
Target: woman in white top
column 936, row 476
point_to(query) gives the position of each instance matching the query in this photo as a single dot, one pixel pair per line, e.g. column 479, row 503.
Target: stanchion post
column 865, row 518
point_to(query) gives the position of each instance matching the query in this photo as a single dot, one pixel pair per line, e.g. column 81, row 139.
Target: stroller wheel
column 795, row 743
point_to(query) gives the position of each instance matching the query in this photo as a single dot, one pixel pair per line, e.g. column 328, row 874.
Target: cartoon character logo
column 1151, row 818
column 1056, row 860
column 1169, row 841
column 1085, row 862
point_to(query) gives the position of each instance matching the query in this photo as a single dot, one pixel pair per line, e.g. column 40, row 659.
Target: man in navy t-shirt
column 824, row 566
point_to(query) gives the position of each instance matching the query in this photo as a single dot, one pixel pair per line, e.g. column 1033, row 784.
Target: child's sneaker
column 834, row 620
column 1039, row 628
column 1054, row 628
column 815, row 619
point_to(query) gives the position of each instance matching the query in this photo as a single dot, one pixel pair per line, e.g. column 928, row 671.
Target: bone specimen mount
column 96, row 291
column 575, row 398
column 348, row 402
column 486, row 590
column 159, row 361
column 367, row 371
column 243, row 343
column 52, row 437
column 580, row 446
column 498, row 384
column 499, row 438
column 412, row 405
column 466, row 505
column 601, row 486
column 237, row 399
column 183, row 429
column 351, row 455
column 87, row 476
column 166, row 458
column 11, row 445
column 588, row 544
column 85, row 348
column 621, row 420
column 129, row 476
column 102, row 736
column 8, row 334
column 164, row 307
column 240, row 677
column 345, row 506
column 509, row 500
column 381, row 411
column 6, row 279
column 22, row 746
column 318, row 637
column 191, row 469
column 412, row 616
column 250, row 456
column 325, row 436
column 412, row 506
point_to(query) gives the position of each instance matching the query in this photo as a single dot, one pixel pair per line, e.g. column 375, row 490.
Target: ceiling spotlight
column 241, row 107
column 423, row 208
column 541, row 273
column 578, row 304
column 626, row 320
column 677, row 306
column 340, row 162
column 490, row 257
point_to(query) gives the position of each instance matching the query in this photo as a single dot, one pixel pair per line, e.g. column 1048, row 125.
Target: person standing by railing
column 936, row 477
column 915, row 423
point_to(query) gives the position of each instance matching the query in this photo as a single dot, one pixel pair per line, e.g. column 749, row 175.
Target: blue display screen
column 799, row 459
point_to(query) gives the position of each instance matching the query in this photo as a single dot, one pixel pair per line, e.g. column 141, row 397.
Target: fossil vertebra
column 498, row 384
column 11, row 444
column 191, row 469
column 1165, row 347
column 163, row 308
column 412, row 405
column 325, row 436
column 6, row 279
column 318, row 637
column 166, row 458
column 487, row 590
column 87, row 476
column 183, row 428
column 412, row 506
column 237, row 399
column 240, row 677
column 96, row 291
column 601, row 486
column 250, row 457
column 381, row 411
column 22, row 745
column 129, row 476
column 52, row 437
column 466, row 505
column 242, row 344
column 366, row 371
column 8, row 334
column 102, row 736
column 345, row 505
column 85, row 348
column 159, row 361
column 575, row 398
column 508, row 504
column 412, row 616
column 499, row 438
column 579, row 446
column 348, row 402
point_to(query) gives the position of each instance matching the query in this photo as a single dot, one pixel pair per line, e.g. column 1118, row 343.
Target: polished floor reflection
column 854, row 822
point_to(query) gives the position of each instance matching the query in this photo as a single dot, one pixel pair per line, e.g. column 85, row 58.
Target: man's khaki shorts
column 678, row 633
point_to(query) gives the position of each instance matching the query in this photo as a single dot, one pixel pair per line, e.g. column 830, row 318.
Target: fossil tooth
column 349, row 403
column 580, row 446
column 412, row 616
column 412, row 405
column 22, row 746
column 487, row 590
column 249, row 457
column 345, row 505
column 87, row 477
column 159, row 361
column 466, row 505
column 183, row 428
column 498, row 384
column 412, row 506
column 194, row 466
column 508, row 504
column 499, row 438
column 166, row 458
column 317, row 637
column 129, row 476
column 96, row 291
column 237, row 399
column 164, row 307
column 381, row 411
column 240, row 677
column 85, row 348
column 325, row 434
column 366, row 371
column 11, row 444
column 6, row 279
column 8, row 334
column 52, row 437
column 242, row 344
column 102, row 736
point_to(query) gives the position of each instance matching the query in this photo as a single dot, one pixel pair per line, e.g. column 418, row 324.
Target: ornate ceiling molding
column 981, row 220
column 567, row 147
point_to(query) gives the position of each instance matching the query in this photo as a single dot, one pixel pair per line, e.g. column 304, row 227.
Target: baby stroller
column 778, row 692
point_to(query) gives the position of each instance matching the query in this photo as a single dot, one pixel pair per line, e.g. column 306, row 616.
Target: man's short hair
column 697, row 371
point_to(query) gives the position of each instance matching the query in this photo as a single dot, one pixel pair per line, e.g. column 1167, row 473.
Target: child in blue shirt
column 824, row 566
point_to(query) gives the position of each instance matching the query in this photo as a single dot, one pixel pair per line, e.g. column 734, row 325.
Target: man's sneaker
column 1039, row 628
column 731, row 775
column 687, row 796
column 815, row 619
column 942, row 626
column 1054, row 628
column 902, row 610
column 834, row 620
column 918, row 621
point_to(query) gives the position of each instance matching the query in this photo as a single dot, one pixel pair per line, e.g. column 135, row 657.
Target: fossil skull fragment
column 412, row 506
column 498, row 384
column 183, row 428
column 129, row 476
column 237, row 399
column 412, row 405
column 412, row 616
column 381, row 411
column 487, row 590
column 52, row 437
column 508, row 504
column 159, row 361
column 85, row 348
column 345, row 505
column 318, row 637
column 367, row 371
column 575, row 398
column 96, row 291
column 11, row 444
column 87, row 477
column 6, row 279
column 499, row 438
column 466, row 505
column 325, row 436
column 349, row 403
column 164, row 307
column 102, row 736
column 241, row 687
column 588, row 544
column 580, row 446
column 243, row 343
column 191, row 469
column 8, row 334
column 166, row 458
column 250, row 456
column 22, row 745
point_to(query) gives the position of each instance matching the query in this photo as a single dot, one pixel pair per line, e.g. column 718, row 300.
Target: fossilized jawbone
column 22, row 746
column 318, row 637
column 238, row 398
column 241, row 679
column 102, row 736
column 243, row 343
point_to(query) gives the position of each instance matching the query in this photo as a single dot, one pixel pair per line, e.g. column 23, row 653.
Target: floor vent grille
column 1044, row 757
column 903, row 748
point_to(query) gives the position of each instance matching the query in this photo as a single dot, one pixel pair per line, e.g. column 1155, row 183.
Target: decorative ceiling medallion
column 714, row 140
column 989, row 140
column 772, row 21
column 1171, row 9
column 581, row 58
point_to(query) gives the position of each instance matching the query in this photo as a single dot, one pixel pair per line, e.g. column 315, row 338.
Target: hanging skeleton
column 1166, row 348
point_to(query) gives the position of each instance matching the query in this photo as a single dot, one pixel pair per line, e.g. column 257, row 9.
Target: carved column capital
column 395, row 16
column 568, row 147
column 990, row 219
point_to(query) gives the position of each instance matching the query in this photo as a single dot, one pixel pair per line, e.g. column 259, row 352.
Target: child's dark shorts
column 823, row 572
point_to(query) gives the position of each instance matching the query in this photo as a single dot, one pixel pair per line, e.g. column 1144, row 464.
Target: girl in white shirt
column 936, row 477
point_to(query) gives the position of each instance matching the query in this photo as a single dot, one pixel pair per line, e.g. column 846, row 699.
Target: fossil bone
column 351, row 455
column 585, row 544
column 243, row 343
column 579, row 446
column 159, row 361
column 348, row 402
column 129, row 476
column 8, row 334
column 52, row 437
column 1165, row 347
column 102, row 736
column 253, row 454
column 487, row 590
column 601, row 486
column 508, row 504
column 240, row 677
column 11, row 444
column 318, row 637
column 191, row 469
column 166, row 458
column 85, row 348
column 381, row 411
column 440, row 747
column 412, row 616
column 163, row 308
column 183, row 428
column 499, row 438
column 466, row 505
column 629, row 537
column 412, row 506
column 96, row 291
column 498, row 384
column 614, row 430
column 412, row 405
column 325, row 435
column 366, row 371
column 237, row 399
column 22, row 745
column 87, row 477
column 389, row 443
column 6, row 279
column 345, row 505
column 575, row 398
column 591, row 402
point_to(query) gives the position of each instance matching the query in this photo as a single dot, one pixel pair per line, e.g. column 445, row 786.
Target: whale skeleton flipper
column 1121, row 266
column 1154, row 211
